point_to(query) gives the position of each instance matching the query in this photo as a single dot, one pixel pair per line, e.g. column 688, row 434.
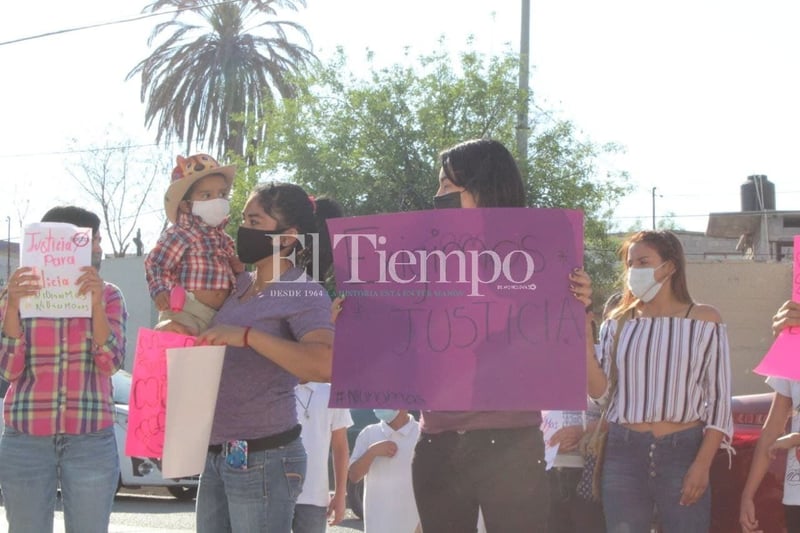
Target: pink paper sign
column 148, row 401
column 781, row 359
column 459, row 309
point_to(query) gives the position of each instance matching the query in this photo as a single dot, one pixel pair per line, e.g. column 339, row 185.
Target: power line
column 85, row 150
column 80, row 28
column 111, row 23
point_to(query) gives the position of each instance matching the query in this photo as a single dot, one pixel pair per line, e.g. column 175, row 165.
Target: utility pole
column 654, row 208
column 524, row 67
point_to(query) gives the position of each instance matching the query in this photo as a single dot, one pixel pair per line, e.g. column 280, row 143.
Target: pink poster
column 148, row 400
column 459, row 309
column 781, row 359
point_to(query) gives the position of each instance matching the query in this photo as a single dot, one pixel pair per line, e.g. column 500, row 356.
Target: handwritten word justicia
column 47, row 243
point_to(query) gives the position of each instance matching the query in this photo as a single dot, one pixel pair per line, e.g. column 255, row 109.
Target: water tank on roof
column 758, row 194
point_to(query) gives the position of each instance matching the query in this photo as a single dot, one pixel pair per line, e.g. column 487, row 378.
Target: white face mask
column 387, row 415
column 212, row 212
column 642, row 282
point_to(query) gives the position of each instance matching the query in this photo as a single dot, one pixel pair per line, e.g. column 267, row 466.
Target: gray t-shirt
column 256, row 396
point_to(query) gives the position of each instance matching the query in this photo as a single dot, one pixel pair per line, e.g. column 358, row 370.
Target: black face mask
column 253, row 245
column 447, row 201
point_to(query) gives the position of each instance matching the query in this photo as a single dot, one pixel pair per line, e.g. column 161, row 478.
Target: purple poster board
column 459, row 309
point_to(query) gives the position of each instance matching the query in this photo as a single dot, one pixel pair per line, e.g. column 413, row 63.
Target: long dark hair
column 486, row 169
column 291, row 206
column 327, row 208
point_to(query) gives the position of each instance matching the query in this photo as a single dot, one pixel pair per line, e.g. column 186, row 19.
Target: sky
column 700, row 94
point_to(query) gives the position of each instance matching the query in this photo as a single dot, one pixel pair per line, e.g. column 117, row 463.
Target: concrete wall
column 9, row 260
column 699, row 247
column 128, row 274
column 747, row 295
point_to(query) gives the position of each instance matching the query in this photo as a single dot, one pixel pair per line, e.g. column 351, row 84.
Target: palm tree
column 206, row 80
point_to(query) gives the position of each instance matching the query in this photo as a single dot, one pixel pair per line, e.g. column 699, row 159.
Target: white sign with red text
column 57, row 252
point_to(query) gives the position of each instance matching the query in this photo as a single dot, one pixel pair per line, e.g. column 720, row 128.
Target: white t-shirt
column 389, row 505
column 312, row 399
column 791, row 483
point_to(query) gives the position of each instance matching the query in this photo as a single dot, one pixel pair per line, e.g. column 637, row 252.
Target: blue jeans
column 309, row 518
column 31, row 468
column 260, row 498
column 642, row 473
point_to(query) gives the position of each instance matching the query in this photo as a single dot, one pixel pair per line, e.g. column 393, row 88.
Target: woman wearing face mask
column 668, row 386
column 277, row 327
column 487, row 460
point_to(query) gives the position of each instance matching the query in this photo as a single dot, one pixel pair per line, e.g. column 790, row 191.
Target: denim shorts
column 643, row 475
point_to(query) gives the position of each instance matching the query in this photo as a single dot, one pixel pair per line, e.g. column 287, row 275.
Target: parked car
column 137, row 472
column 749, row 413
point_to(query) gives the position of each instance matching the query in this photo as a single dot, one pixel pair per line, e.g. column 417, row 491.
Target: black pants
column 569, row 513
column 499, row 470
column 792, row 518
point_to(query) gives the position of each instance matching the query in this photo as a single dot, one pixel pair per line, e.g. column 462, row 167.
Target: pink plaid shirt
column 191, row 254
column 60, row 380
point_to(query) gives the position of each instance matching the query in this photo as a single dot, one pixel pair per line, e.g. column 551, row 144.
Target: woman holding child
column 276, row 325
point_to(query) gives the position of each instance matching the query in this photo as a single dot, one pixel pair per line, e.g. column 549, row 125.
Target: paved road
column 154, row 510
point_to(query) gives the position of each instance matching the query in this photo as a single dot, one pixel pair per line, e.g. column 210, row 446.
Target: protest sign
column 781, row 359
column 148, row 401
column 462, row 309
column 193, row 381
column 56, row 251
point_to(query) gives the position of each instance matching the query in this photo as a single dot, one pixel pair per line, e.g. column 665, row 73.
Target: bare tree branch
column 119, row 177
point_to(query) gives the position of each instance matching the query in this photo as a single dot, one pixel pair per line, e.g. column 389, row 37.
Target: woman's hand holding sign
column 787, row 316
column 581, row 287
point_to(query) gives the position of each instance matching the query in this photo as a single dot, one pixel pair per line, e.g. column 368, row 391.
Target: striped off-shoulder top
column 670, row 369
